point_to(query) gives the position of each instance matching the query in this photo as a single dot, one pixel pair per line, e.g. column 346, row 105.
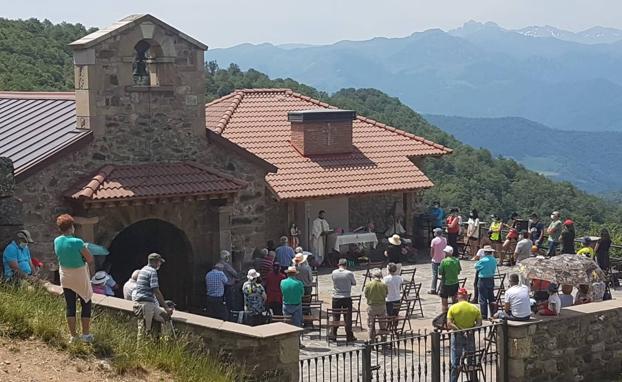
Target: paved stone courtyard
column 431, row 305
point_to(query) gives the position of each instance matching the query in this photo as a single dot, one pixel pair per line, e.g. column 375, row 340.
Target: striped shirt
column 146, row 282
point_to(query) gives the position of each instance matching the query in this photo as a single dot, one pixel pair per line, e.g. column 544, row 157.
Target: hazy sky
column 224, row 23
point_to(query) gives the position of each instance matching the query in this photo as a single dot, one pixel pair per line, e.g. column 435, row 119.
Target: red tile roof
column 256, row 119
column 36, row 126
column 154, row 181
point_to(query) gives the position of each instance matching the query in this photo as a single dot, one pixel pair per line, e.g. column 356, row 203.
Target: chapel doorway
column 130, row 248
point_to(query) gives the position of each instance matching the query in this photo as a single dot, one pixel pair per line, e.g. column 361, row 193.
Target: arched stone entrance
column 130, row 247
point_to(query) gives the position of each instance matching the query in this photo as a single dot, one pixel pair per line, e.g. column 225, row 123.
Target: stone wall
column 11, row 216
column 582, row 344
column 378, row 208
column 269, row 353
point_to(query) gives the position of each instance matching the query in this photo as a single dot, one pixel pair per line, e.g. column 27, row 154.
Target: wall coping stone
column 262, row 331
column 571, row 312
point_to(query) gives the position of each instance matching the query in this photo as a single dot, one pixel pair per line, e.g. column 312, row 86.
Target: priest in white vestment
column 318, row 237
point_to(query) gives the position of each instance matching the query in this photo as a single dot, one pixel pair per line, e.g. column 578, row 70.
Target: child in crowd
column 566, row 297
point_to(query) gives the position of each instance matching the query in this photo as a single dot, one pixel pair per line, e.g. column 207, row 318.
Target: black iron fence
column 467, row 355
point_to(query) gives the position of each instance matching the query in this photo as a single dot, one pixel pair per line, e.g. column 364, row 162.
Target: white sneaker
column 88, row 338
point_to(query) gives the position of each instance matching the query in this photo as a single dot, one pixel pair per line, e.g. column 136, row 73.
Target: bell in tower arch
column 140, row 72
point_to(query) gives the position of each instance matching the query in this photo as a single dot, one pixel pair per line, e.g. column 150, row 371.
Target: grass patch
column 27, row 311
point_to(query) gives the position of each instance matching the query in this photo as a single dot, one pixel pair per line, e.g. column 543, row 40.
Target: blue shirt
column 284, row 255
column 215, row 282
column 439, row 215
column 487, row 267
column 146, row 282
column 13, row 252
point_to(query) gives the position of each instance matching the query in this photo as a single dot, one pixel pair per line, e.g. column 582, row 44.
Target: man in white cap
column 449, row 270
column 254, row 298
column 149, row 302
column 16, row 257
column 437, row 246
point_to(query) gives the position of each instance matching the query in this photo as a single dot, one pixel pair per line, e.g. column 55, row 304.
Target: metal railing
column 418, row 357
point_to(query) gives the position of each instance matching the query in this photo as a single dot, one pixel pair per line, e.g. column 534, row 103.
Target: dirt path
column 34, row 361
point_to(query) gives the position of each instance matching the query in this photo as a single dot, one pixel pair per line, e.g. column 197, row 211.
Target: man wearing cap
column 449, row 270
column 215, row 283
column 486, row 268
column 554, row 231
column 254, row 298
column 305, row 274
column 437, row 245
column 293, row 290
column 16, row 257
column 462, row 315
column 375, row 292
column 343, row 281
column 523, row 248
column 149, row 302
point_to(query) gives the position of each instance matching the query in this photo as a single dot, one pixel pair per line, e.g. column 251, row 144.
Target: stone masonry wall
column 378, row 208
column 583, row 344
column 11, row 216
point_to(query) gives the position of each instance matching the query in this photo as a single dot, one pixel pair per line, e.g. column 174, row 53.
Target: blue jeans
column 434, row 276
column 552, row 247
column 460, row 342
column 295, row 311
column 485, row 287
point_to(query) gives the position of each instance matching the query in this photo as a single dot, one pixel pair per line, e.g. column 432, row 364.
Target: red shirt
column 452, row 224
column 272, row 283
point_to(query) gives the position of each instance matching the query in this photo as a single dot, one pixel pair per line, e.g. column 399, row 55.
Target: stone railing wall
column 267, row 352
column 583, row 344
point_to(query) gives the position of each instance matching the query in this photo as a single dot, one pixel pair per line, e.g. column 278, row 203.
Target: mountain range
column 565, row 80
column 589, row 161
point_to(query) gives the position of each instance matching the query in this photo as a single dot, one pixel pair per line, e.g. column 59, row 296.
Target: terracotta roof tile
column 256, row 119
column 154, row 180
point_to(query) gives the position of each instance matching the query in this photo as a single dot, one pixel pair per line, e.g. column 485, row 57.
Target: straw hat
column 291, row 269
column 100, row 278
column 252, row 274
column 300, row 258
column 488, row 248
column 395, row 240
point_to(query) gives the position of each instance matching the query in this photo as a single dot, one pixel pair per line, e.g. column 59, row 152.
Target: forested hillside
column 469, row 178
column 34, row 54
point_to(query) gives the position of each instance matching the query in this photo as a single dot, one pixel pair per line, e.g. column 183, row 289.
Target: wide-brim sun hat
column 252, row 274
column 300, row 258
column 100, row 278
column 291, row 269
column 395, row 240
column 488, row 248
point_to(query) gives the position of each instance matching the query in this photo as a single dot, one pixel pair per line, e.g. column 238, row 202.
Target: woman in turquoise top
column 73, row 259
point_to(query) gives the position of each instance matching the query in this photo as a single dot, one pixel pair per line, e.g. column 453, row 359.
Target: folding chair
column 386, row 327
column 335, row 319
column 278, row 318
column 408, row 275
column 315, row 290
column 414, row 298
column 312, row 313
column 404, row 310
column 471, row 364
column 357, row 320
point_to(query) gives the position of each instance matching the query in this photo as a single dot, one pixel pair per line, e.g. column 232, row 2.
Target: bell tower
column 141, row 83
